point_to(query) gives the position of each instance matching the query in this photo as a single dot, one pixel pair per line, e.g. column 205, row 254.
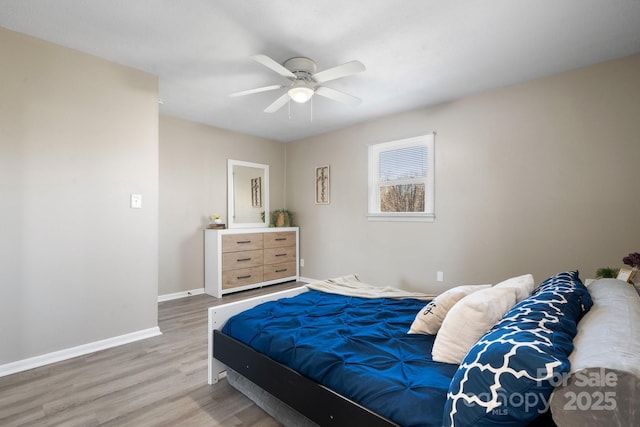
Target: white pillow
column 429, row 319
column 468, row 320
column 523, row 284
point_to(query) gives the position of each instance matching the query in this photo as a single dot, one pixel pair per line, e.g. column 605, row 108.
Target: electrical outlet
column 301, row 262
column 440, row 276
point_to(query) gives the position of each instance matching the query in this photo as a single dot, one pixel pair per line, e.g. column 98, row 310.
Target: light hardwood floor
column 160, row 381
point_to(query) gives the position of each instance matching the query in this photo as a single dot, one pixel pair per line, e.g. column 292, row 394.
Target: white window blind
column 401, row 179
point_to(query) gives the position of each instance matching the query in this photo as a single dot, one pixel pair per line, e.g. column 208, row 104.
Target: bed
column 342, row 360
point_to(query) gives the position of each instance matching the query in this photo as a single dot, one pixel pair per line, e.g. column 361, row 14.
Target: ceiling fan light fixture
column 305, row 82
column 300, row 92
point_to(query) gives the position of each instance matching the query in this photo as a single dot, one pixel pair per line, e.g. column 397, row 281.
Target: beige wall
column 193, row 185
column 78, row 135
column 535, row 178
column 538, row 178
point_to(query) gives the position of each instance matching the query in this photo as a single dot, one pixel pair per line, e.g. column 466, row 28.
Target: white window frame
column 374, row 213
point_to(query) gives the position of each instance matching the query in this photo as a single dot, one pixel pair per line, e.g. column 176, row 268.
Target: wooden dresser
column 240, row 259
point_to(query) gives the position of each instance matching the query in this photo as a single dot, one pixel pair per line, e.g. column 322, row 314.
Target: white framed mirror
column 248, row 194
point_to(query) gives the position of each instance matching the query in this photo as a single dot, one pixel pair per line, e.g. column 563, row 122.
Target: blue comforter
column 357, row 347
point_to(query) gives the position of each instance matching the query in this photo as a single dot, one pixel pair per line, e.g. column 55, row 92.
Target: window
column 401, row 180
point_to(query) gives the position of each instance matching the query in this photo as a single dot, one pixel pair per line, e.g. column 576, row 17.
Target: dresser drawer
column 278, row 271
column 242, row 259
column 241, row 277
column 277, row 255
column 280, row 239
column 241, row 242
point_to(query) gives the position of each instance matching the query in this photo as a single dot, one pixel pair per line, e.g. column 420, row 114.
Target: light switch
column 136, row 201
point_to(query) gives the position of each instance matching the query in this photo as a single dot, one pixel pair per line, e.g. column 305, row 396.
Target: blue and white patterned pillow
column 508, row 375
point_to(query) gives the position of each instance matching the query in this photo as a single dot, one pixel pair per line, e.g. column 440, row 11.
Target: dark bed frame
column 315, row 401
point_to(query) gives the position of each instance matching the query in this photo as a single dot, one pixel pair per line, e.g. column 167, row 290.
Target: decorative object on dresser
column 281, row 218
column 215, row 222
column 237, row 260
column 216, row 218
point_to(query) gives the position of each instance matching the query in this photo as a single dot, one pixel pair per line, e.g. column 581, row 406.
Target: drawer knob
column 243, row 241
column 244, row 259
column 280, row 271
column 281, row 254
column 243, row 277
column 280, row 238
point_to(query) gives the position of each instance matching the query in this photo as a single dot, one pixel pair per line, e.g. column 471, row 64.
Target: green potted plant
column 281, row 218
column 606, row 273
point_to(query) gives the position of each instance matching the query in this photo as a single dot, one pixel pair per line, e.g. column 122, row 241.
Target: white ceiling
column 417, row 52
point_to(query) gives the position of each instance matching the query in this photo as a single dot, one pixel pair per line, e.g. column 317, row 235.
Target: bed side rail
column 315, row 401
column 219, row 315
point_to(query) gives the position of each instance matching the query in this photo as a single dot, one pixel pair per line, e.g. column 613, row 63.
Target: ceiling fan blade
column 337, row 95
column 278, row 104
column 256, row 90
column 270, row 63
column 339, row 71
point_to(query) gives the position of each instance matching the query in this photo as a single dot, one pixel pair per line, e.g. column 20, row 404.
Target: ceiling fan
column 305, row 81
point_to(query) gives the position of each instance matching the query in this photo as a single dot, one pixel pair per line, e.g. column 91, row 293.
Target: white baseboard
column 308, row 280
column 81, row 350
column 183, row 294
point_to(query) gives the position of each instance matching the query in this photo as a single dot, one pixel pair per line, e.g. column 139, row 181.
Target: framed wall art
column 322, row 185
column 256, row 192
